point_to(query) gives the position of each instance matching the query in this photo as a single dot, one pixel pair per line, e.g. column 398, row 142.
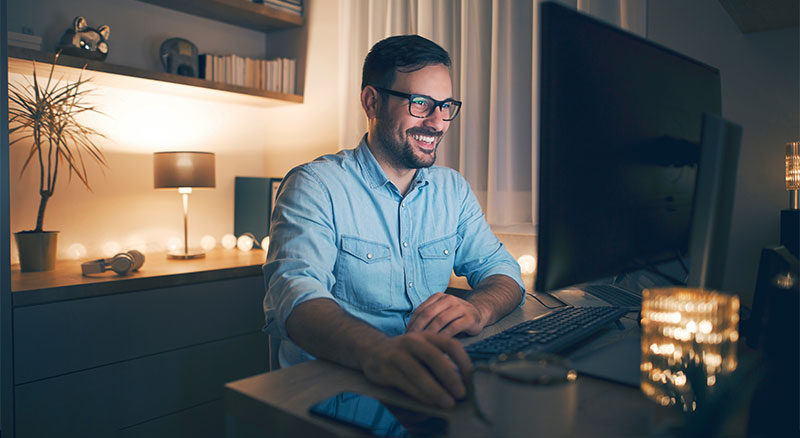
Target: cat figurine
column 85, row 41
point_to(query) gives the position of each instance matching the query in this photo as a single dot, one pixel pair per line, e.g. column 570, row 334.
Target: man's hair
column 404, row 53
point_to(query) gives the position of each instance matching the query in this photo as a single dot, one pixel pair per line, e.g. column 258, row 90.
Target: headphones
column 122, row 263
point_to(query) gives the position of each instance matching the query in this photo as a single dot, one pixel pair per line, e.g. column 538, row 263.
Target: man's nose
column 436, row 120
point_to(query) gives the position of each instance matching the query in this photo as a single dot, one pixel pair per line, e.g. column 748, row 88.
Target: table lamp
column 184, row 171
column 689, row 339
column 790, row 218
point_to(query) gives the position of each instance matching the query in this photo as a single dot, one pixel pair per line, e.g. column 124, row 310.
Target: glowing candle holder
column 689, row 339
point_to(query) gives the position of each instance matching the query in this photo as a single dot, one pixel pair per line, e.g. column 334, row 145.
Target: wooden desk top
column 65, row 282
column 278, row 401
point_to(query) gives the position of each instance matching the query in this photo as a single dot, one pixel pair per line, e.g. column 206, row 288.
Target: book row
column 266, row 74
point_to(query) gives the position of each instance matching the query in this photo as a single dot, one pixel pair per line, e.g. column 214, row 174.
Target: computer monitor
column 619, row 149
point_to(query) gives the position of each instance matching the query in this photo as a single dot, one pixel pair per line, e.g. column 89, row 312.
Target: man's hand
column 447, row 315
column 428, row 366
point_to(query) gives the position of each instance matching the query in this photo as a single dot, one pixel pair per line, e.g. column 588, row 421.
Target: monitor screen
column 619, row 148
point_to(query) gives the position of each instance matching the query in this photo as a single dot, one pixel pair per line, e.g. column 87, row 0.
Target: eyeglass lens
column 421, row 106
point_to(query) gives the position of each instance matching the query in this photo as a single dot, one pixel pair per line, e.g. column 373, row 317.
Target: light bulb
column 76, row 251
column 111, row 248
column 208, row 243
column 527, row 264
column 244, row 242
column 265, row 243
column 229, row 241
column 174, row 243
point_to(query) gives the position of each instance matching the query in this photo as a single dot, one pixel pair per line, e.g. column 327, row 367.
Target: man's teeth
column 424, row 138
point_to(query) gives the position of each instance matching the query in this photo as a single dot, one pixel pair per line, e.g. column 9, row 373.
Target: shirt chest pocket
column 364, row 273
column 437, row 261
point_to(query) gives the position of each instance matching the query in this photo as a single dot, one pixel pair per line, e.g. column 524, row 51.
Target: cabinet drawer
column 63, row 337
column 104, row 400
column 204, row 421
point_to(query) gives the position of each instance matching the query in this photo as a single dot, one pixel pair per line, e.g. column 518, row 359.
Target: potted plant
column 44, row 115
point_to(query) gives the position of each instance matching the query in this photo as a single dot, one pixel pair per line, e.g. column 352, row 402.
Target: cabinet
column 139, row 356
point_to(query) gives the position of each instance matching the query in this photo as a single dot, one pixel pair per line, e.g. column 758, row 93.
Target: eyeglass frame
column 436, row 103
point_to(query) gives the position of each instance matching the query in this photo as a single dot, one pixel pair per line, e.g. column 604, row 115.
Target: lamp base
column 185, row 255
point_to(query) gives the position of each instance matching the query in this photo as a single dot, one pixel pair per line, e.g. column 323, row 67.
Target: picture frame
column 254, row 201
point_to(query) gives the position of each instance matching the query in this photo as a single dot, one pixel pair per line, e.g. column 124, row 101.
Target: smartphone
column 379, row 418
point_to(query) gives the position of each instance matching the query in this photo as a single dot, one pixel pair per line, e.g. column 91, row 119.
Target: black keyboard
column 614, row 295
column 549, row 333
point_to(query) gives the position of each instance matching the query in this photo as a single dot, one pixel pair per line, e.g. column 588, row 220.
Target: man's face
column 410, row 142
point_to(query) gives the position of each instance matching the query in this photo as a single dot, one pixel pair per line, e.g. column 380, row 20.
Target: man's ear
column 369, row 101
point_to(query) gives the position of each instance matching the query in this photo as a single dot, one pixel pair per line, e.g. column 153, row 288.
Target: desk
column 277, row 402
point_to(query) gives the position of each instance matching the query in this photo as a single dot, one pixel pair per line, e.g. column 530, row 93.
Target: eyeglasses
column 422, row 106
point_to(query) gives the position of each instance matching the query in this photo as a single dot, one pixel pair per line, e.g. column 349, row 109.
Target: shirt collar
column 373, row 171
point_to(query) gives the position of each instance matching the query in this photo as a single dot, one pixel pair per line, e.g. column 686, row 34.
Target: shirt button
column 403, row 205
column 405, row 244
column 369, row 255
column 446, row 252
column 410, row 284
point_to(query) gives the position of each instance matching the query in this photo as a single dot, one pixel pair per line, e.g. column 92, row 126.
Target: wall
column 760, row 92
column 249, row 137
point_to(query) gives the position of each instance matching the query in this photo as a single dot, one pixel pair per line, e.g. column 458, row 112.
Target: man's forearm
column 325, row 330
column 495, row 297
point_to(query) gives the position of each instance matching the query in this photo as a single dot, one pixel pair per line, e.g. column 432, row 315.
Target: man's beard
column 401, row 155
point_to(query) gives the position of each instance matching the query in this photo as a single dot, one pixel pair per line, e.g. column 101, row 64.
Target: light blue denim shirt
column 341, row 230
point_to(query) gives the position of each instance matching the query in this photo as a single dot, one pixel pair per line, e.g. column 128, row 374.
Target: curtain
column 493, row 46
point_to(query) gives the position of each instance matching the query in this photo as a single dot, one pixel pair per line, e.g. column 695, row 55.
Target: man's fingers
column 420, row 381
column 425, row 312
column 440, row 366
column 444, row 318
column 455, row 351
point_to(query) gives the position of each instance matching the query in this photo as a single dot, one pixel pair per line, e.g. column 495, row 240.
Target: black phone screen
column 379, row 418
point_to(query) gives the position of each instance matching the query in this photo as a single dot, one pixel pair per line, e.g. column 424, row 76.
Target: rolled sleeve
column 481, row 254
column 302, row 251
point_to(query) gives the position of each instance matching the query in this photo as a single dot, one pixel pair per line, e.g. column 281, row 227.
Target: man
column 363, row 242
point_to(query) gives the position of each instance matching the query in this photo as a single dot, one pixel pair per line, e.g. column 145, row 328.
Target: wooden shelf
column 242, row 13
column 19, row 61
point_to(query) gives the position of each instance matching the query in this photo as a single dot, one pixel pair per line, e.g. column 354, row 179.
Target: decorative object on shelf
column 43, row 113
column 84, row 41
column 179, row 57
column 208, row 242
column 122, row 264
column 229, row 241
column 184, row 171
column 245, row 242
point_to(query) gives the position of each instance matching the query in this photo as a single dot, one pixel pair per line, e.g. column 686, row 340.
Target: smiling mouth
column 425, row 141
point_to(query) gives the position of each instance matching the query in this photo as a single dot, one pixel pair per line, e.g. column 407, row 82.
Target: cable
column 683, row 265
column 543, row 304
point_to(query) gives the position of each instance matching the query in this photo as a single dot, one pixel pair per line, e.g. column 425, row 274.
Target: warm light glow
column 208, row 243
column 793, row 165
column 76, row 251
column 184, row 190
column 686, row 329
column 265, row 243
column 229, row 241
column 244, row 243
column 174, row 243
column 111, row 248
column 527, row 264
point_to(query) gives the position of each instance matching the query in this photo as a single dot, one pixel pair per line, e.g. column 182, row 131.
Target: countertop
column 65, row 282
